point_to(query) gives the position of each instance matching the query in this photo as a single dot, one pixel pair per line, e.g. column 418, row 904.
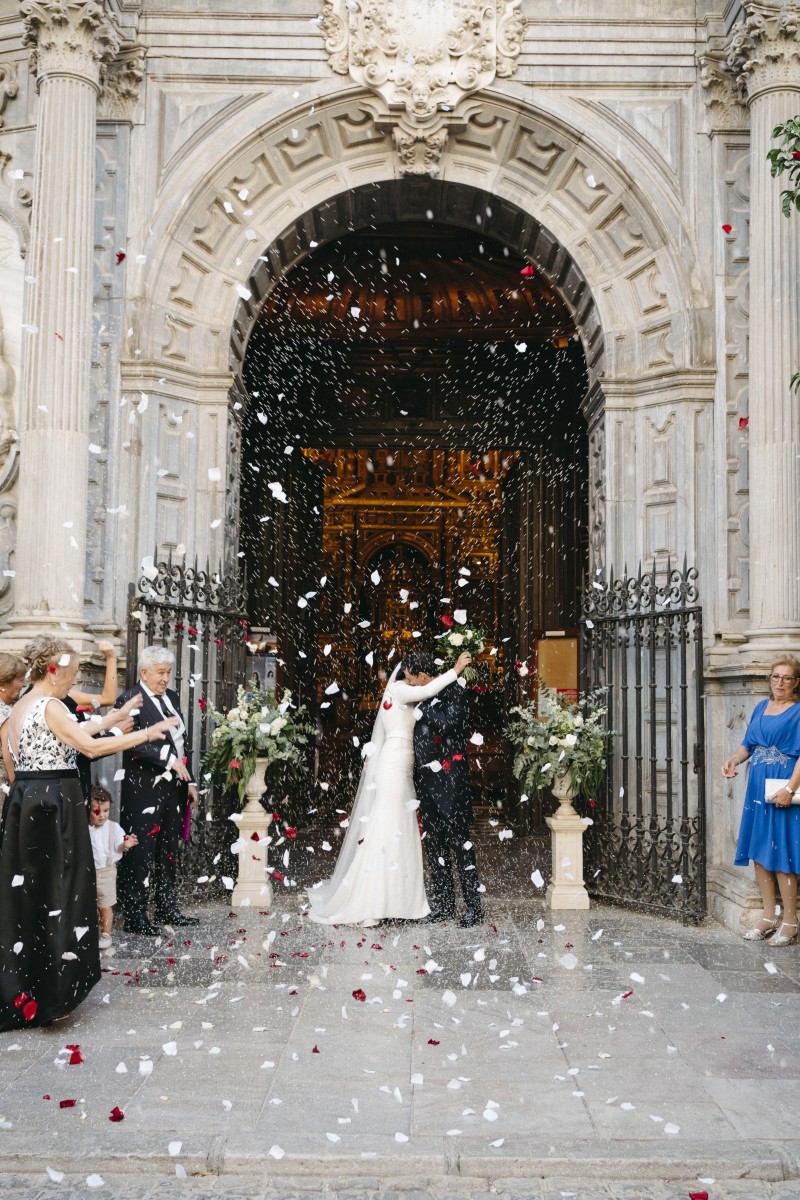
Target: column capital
column 121, row 80
column 69, row 37
column 763, row 50
column 727, row 106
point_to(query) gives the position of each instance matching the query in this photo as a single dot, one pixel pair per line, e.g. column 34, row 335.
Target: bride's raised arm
column 406, row 693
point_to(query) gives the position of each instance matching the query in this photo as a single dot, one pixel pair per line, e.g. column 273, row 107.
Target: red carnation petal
column 727, row 228
column 359, row 994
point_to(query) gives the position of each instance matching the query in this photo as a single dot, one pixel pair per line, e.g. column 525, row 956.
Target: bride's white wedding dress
column 379, row 870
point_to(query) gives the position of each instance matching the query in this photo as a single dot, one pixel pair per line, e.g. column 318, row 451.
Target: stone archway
column 588, row 202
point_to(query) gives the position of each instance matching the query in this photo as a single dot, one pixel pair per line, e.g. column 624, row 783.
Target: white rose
column 456, row 639
column 570, row 740
column 233, row 715
column 553, row 741
column 277, row 725
column 578, row 720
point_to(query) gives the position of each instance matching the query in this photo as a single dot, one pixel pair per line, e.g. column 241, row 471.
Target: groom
column 441, row 781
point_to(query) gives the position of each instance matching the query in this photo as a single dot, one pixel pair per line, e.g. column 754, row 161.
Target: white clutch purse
column 771, row 786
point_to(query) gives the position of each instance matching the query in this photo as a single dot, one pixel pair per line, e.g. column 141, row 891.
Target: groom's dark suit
column 153, row 808
column 445, row 797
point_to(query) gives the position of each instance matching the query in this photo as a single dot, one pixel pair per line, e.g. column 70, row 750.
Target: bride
column 378, row 874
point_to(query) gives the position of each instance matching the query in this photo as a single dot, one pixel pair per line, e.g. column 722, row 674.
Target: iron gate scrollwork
column 642, row 639
column 200, row 616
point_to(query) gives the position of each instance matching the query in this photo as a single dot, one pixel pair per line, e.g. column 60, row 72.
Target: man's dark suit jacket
column 440, row 735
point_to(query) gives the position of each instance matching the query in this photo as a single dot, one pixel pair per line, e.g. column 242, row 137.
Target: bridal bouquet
column 454, row 642
column 563, row 738
column 259, row 726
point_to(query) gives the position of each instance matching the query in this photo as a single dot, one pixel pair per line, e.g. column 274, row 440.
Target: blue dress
column 770, row 835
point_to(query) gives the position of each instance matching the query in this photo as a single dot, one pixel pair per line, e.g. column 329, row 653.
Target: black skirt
column 49, row 954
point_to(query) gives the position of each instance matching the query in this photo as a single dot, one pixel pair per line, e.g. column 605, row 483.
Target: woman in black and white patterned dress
column 49, row 955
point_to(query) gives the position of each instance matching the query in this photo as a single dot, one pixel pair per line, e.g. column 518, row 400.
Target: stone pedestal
column 566, row 889
column 70, row 41
column 765, row 57
column 253, row 886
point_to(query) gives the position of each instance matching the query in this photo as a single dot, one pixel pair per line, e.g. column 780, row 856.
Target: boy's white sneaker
column 105, row 941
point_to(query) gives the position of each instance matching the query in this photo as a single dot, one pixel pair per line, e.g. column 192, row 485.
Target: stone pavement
column 601, row 1054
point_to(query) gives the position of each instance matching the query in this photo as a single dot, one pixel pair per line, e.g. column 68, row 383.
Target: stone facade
column 187, row 155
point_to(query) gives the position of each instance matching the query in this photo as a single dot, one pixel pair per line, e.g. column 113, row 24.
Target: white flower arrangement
column 258, row 726
column 562, row 738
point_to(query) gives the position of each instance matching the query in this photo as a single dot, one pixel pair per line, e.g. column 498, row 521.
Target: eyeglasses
column 782, row 678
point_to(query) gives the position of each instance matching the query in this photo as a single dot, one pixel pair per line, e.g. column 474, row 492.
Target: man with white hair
column 156, row 790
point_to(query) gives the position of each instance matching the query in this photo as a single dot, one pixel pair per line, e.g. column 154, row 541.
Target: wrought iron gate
column 642, row 639
column 200, row 616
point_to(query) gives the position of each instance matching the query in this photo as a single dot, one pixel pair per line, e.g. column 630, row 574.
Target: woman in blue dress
column 770, row 832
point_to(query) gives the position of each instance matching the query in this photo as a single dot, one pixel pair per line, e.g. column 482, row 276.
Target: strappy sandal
column 781, row 940
column 761, row 935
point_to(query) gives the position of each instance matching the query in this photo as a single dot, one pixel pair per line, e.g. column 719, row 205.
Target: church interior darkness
column 414, row 444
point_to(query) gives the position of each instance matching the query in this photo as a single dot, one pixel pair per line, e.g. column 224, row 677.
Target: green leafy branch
column 785, row 159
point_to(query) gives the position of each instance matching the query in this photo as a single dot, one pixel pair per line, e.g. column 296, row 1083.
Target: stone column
column 764, row 55
column 70, row 40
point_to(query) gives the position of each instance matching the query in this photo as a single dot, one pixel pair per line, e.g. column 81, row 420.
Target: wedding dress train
column 379, row 870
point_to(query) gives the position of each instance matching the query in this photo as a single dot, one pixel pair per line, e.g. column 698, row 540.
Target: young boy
column 109, row 843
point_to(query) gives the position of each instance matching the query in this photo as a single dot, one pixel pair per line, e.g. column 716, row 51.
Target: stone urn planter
column 566, row 889
column 253, row 884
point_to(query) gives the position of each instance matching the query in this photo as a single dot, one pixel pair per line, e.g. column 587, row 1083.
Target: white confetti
column 536, row 878
column 174, row 1148
column 18, row 881
column 477, row 739
column 94, row 1181
column 276, row 1152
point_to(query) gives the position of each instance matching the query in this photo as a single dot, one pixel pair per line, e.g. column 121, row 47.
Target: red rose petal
column 117, row 1114
column 45, row 1097
column 377, row 946
column 387, row 704
column 457, row 757
column 67, row 1103
column 447, row 621
column 315, row 1050
column 360, row 994
column 76, row 1058
column 255, row 837
column 446, row 764
column 29, row 1010
column 121, row 256
column 528, row 271
column 156, row 829
column 727, row 228
column 290, row 832
column 744, row 422
column 698, row 1195
column 432, row 1042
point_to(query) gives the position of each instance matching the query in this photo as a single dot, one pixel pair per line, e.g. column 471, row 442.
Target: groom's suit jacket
column 440, row 735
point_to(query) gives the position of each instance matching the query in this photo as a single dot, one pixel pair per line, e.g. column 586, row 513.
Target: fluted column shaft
column 772, row 75
column 70, row 40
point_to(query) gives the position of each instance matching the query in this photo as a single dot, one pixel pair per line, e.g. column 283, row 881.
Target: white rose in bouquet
column 456, row 639
column 570, row 740
column 277, row 725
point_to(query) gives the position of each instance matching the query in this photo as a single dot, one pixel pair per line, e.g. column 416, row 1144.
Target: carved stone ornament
column 722, row 93
column 422, row 58
column 122, row 78
column 69, row 37
column 8, row 86
column 763, row 50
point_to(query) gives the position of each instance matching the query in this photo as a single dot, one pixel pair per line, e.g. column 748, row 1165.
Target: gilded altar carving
column 422, row 59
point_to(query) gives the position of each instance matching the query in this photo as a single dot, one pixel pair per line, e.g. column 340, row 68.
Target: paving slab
column 540, row 1054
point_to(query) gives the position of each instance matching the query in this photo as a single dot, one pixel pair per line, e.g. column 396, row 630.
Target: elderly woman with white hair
column 157, row 790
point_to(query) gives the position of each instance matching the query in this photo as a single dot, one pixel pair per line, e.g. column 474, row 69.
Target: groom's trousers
column 445, row 839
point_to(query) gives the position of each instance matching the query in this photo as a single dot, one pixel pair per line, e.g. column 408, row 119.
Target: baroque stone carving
column 121, row 78
column 723, row 95
column 8, row 86
column 69, row 35
column 422, row 58
column 764, row 46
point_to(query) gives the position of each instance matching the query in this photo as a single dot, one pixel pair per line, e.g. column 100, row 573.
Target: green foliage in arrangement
column 563, row 737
